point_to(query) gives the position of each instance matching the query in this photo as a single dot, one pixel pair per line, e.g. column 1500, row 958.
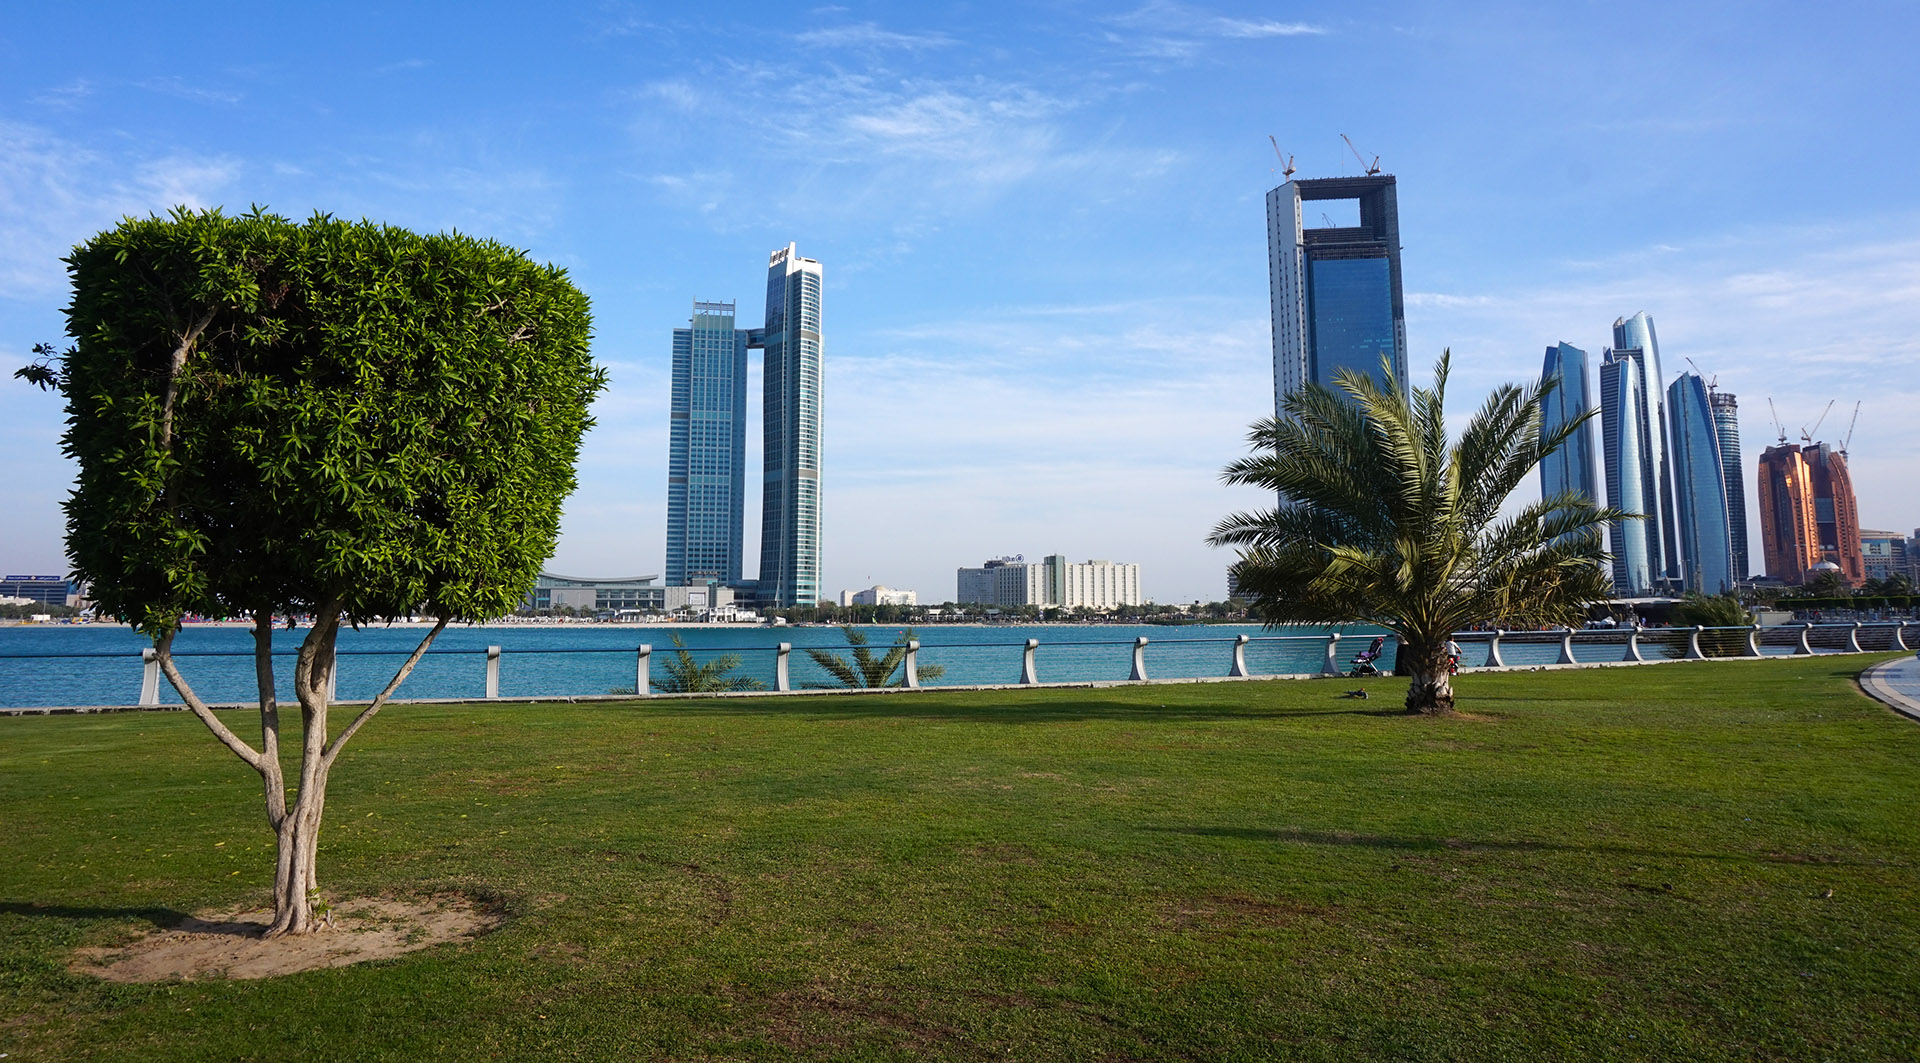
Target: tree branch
column 174, row 366
column 333, row 748
column 163, row 652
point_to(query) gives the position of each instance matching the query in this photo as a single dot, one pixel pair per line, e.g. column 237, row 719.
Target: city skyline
column 1047, row 224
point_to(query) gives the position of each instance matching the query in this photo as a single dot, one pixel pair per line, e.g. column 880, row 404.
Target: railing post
column 1493, row 651
column 1633, row 645
column 1853, row 637
column 642, row 682
column 781, row 680
column 1566, row 647
column 1805, row 647
column 1693, row 644
column 1331, row 666
column 1028, row 675
column 912, row 664
column 1753, row 640
column 1900, row 635
column 493, row 671
column 1139, row 673
column 1238, row 670
column 150, row 676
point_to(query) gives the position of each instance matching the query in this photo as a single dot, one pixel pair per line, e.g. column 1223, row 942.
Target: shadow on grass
column 1039, row 706
column 163, row 918
column 1387, row 842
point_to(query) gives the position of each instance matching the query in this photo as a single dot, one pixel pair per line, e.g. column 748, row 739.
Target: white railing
column 1495, row 649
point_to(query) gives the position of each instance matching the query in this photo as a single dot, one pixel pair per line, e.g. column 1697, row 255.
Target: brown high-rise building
column 1835, row 513
column 1788, row 533
column 1808, row 513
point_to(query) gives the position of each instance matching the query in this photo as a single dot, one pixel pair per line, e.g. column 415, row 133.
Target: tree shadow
column 1403, row 844
column 163, row 918
column 1043, row 705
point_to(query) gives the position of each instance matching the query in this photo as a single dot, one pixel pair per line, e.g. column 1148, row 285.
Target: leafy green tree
column 866, row 670
column 1825, row 584
column 338, row 420
column 1382, row 521
column 1717, row 611
column 685, row 675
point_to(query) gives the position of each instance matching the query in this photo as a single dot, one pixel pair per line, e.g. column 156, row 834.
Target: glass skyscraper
column 1726, row 423
column 1571, row 467
column 1699, row 488
column 790, row 502
column 1335, row 290
column 706, row 451
column 1633, row 428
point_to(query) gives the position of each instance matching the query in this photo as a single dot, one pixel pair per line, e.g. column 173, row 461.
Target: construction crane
column 1856, row 420
column 1286, row 161
column 1373, row 167
column 1777, row 426
column 1806, row 434
column 1713, row 382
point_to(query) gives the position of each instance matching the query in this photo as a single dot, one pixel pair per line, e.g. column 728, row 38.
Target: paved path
column 1897, row 683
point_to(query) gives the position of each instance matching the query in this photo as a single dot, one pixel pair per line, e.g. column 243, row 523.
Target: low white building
column 1052, row 583
column 879, row 594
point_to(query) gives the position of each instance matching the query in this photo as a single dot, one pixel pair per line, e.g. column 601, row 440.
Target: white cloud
column 869, row 35
column 55, row 194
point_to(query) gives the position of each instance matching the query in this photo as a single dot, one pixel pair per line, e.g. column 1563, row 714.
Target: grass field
column 1619, row 864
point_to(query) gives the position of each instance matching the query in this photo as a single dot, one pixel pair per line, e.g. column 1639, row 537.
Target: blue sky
column 1041, row 223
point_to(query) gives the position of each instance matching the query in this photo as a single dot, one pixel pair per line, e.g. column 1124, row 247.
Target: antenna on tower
column 1286, row 161
column 1856, row 420
column 1777, row 426
column 1373, row 167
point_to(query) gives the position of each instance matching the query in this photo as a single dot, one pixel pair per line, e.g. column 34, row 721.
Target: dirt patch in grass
column 230, row 945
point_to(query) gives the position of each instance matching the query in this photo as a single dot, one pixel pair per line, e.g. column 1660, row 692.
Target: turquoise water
column 100, row 665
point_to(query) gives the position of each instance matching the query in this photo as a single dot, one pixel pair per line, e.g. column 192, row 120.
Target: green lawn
column 1629, row 863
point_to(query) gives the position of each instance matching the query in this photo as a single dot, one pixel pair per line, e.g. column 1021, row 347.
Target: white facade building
column 879, row 595
column 1053, row 583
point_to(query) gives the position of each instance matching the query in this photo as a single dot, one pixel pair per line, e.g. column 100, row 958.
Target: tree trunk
column 1431, row 692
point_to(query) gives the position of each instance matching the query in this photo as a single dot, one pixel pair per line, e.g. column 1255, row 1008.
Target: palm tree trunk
column 1431, row 692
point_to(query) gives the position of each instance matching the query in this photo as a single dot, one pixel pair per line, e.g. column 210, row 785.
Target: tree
column 1381, row 521
column 1716, row 611
column 866, row 670
column 339, row 420
column 685, row 675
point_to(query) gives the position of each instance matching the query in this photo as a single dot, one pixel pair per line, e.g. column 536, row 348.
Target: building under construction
column 1808, row 514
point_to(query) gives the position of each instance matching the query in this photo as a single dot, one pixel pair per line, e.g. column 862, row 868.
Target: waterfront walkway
column 1897, row 683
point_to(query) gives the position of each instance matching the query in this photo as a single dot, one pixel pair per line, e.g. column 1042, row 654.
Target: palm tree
column 866, row 670
column 688, row 676
column 1381, row 521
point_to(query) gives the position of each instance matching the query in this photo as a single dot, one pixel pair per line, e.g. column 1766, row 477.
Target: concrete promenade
column 1897, row 683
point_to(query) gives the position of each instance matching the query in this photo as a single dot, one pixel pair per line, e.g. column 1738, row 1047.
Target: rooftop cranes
column 1286, row 161
column 1372, row 168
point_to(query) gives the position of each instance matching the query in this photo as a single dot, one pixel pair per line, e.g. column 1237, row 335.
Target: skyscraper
column 1335, row 290
column 1836, row 517
column 1633, row 424
column 1571, row 467
column 1788, row 535
column 1630, row 481
column 706, row 452
column 1699, row 488
column 790, row 500
column 1726, row 423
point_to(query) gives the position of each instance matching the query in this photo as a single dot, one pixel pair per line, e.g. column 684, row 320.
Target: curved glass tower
column 1634, row 340
column 1699, row 488
column 1623, row 411
column 1571, row 467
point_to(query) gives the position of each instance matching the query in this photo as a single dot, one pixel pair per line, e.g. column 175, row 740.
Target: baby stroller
column 1363, row 665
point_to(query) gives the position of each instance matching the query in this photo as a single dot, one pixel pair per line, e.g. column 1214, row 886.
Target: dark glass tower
column 1726, row 423
column 706, row 452
column 1699, row 488
column 790, row 502
column 1335, row 290
column 1571, row 467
